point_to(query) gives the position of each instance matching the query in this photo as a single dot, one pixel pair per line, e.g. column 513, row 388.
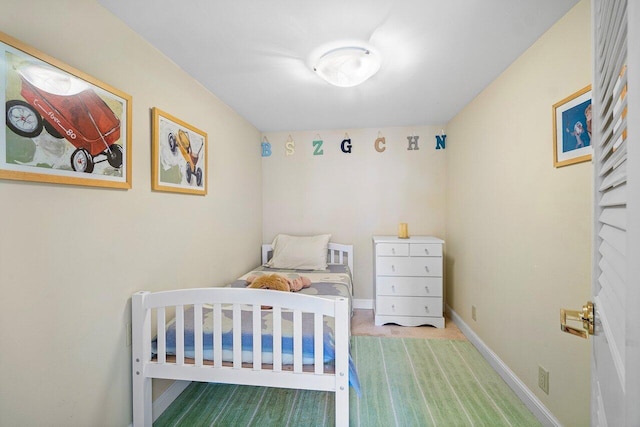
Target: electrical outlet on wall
column 543, row 379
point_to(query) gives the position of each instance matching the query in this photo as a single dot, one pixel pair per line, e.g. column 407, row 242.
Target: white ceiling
column 437, row 54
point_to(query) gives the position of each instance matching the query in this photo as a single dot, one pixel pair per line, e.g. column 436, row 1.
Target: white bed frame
column 146, row 305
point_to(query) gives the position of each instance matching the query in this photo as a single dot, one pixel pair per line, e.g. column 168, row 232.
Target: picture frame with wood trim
column 572, row 129
column 179, row 155
column 62, row 125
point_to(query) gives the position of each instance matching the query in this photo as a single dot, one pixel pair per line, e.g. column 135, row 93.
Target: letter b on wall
column 266, row 149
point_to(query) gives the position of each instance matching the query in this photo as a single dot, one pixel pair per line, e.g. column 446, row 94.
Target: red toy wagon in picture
column 68, row 108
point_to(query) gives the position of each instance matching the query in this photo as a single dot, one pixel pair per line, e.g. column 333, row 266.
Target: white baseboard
column 364, row 304
column 170, row 394
column 534, row 404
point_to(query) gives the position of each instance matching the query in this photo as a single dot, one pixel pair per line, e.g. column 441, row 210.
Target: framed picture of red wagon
column 61, row 125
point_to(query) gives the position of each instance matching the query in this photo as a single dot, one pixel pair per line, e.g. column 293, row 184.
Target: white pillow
column 300, row 252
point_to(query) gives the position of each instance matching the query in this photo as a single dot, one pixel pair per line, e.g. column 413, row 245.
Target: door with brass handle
column 585, row 316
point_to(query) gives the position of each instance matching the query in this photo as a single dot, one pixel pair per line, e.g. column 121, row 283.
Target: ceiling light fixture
column 347, row 66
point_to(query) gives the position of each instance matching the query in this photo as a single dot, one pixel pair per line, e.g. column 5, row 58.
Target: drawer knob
column 393, row 307
column 426, row 289
column 426, row 308
column 393, row 268
column 393, row 288
column 426, row 251
column 393, row 251
column 426, row 267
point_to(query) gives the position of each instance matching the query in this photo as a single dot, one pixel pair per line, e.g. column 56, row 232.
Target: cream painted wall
column 355, row 196
column 70, row 257
column 519, row 230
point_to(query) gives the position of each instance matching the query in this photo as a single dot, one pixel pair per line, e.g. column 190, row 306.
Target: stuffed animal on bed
column 278, row 282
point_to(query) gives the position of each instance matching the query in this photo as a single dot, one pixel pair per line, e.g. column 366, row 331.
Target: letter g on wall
column 345, row 145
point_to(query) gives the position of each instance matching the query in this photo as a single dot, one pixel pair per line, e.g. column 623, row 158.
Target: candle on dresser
column 403, row 230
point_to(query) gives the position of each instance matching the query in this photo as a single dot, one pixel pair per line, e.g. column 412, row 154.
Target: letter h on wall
column 413, row 142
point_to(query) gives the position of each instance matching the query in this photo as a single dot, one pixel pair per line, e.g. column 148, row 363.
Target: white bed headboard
column 336, row 254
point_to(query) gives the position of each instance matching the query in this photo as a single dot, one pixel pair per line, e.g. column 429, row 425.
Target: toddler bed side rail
column 146, row 306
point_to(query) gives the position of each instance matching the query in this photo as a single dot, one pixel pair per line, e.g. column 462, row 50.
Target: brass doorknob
column 585, row 315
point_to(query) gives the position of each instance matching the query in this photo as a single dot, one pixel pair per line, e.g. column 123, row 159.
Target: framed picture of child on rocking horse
column 572, row 129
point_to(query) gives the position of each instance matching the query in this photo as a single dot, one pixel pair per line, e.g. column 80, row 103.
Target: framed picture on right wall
column 572, row 129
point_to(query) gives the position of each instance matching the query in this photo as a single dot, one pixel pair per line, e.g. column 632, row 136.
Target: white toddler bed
column 306, row 346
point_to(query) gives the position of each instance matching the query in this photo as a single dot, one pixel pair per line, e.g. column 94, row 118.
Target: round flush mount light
column 346, row 65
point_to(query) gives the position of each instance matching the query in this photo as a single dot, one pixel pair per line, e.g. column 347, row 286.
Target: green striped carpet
column 405, row 382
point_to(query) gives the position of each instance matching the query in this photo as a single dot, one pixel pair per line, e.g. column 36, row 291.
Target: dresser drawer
column 409, row 286
column 392, row 249
column 425, row 249
column 406, row 266
column 408, row 306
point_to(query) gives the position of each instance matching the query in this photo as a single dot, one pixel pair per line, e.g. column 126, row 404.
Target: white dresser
column 408, row 286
